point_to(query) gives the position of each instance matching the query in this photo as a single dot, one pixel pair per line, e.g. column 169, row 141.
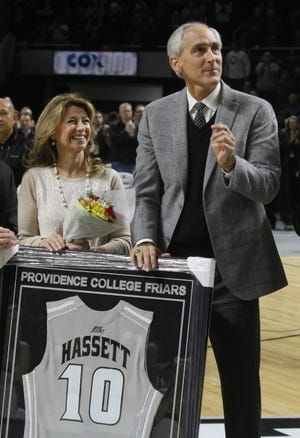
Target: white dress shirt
column 211, row 103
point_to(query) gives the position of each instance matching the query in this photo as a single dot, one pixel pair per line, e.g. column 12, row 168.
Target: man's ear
column 175, row 64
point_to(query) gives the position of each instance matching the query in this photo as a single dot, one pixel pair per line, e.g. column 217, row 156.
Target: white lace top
column 41, row 211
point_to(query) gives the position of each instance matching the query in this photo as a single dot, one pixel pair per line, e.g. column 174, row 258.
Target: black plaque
column 178, row 294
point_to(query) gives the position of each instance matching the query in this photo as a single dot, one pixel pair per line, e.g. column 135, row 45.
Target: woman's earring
column 53, row 143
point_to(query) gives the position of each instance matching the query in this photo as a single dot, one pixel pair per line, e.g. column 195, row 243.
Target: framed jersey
column 94, row 347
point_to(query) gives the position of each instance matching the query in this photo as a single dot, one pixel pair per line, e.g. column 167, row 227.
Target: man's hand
column 223, row 144
column 129, row 128
column 144, row 256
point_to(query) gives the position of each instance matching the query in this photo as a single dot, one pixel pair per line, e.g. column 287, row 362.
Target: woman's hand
column 79, row 245
column 7, row 238
column 54, row 243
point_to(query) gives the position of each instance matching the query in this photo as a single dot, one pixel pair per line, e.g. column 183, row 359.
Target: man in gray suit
column 200, row 188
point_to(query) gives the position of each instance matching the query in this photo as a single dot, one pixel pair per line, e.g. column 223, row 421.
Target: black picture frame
column 178, row 294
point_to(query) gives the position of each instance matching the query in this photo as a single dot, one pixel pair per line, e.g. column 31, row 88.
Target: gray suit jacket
column 241, row 237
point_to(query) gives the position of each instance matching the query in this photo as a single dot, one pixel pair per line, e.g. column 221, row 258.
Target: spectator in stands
column 60, row 168
column 161, row 18
column 79, row 23
column 138, row 112
column 17, row 118
column 292, row 106
column 274, row 28
column 223, row 13
column 115, row 23
column 26, row 129
column 140, row 24
column 290, row 144
column 98, row 121
column 253, row 29
column 113, row 117
column 27, row 110
column 23, row 20
column 237, row 67
column 122, row 137
column 93, row 29
column 59, row 31
column 285, row 85
column 13, row 148
column 267, row 73
column 102, row 149
column 201, row 12
column 98, row 23
column 8, row 210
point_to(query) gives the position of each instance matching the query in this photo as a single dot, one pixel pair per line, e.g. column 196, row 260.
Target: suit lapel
column 226, row 113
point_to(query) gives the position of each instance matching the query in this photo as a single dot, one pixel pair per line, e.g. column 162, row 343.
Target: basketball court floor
column 280, row 358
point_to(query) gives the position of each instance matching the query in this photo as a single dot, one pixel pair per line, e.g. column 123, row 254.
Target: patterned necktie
column 199, row 119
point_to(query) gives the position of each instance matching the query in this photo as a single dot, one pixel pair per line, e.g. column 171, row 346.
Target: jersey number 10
column 106, row 392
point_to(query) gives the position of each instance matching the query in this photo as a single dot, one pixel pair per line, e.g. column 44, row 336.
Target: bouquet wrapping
column 97, row 215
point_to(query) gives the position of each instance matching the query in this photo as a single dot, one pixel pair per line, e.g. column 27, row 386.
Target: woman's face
column 74, row 132
column 292, row 123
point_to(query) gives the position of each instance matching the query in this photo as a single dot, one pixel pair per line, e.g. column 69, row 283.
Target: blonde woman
column 59, row 166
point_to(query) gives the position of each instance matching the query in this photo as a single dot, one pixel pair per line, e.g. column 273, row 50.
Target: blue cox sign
column 84, row 60
column 95, row 63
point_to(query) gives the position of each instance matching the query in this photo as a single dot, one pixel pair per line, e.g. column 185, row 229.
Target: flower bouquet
column 92, row 216
column 98, row 207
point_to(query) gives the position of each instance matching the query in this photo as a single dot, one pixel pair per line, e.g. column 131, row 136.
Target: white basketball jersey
column 92, row 381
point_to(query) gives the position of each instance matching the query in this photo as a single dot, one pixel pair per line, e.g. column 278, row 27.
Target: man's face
column 7, row 116
column 138, row 113
column 200, row 62
column 126, row 113
column 98, row 120
column 25, row 122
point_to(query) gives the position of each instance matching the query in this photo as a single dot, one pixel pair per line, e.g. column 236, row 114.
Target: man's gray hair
column 175, row 42
column 123, row 105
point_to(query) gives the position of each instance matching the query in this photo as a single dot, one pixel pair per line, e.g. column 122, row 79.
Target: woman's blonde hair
column 44, row 152
column 289, row 119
